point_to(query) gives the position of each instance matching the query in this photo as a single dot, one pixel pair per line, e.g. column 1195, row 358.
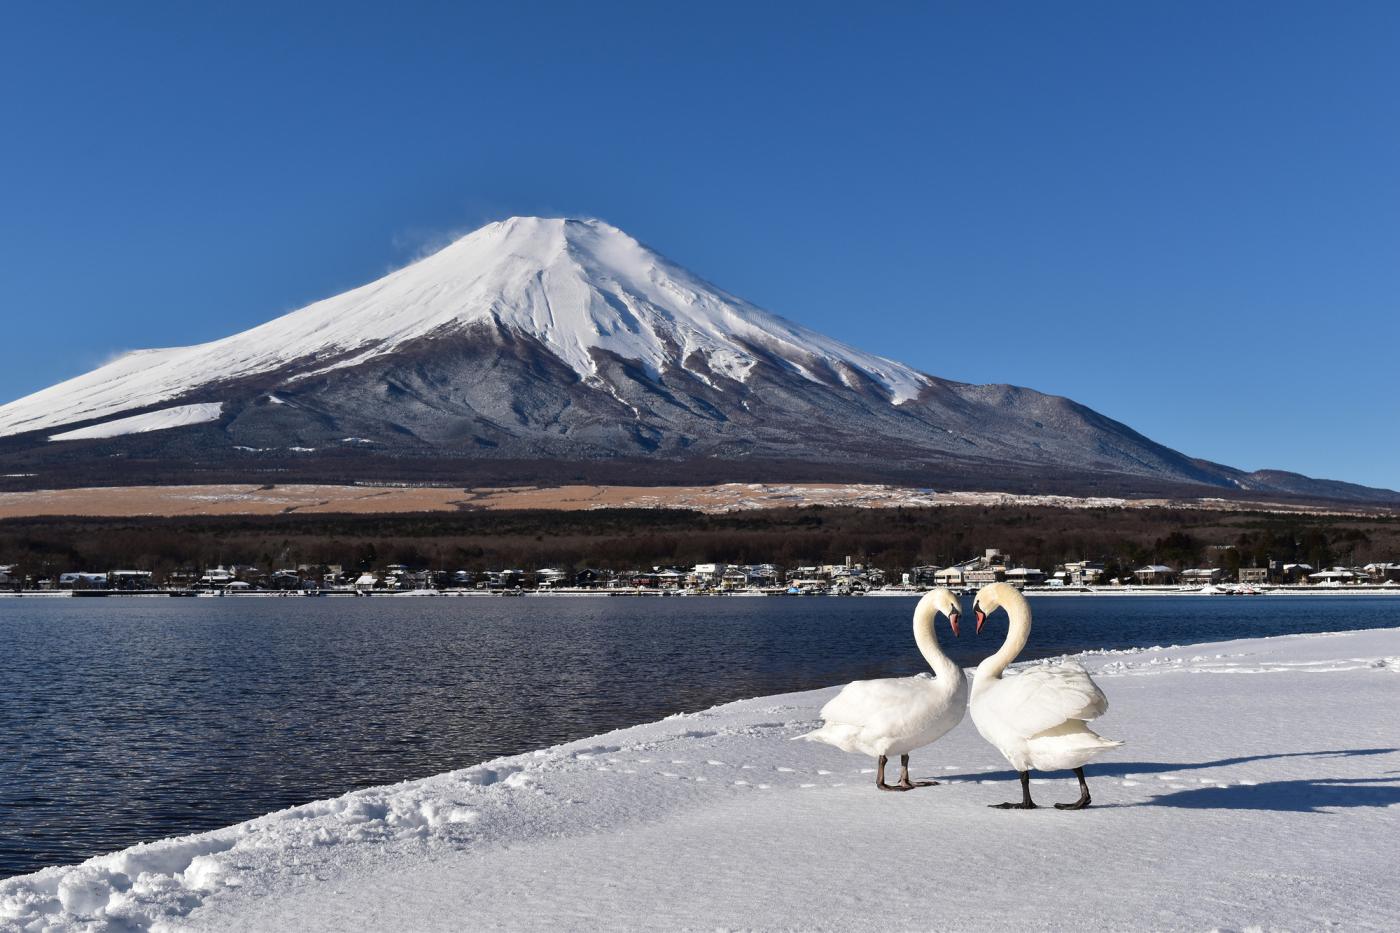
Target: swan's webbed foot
column 899, row 787
column 1026, row 802
column 1084, row 798
column 904, row 782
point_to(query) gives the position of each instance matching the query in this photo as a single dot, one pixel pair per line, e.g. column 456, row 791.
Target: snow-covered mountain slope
column 577, row 285
column 547, row 350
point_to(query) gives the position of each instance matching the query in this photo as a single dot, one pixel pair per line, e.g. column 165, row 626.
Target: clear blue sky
column 1186, row 215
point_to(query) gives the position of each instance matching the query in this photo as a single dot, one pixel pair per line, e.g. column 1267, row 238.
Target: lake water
column 127, row 720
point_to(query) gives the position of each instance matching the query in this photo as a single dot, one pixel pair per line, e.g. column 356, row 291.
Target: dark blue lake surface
column 126, row 720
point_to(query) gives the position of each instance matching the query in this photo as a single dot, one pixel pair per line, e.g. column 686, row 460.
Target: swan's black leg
column 1083, row 800
column 880, row 774
column 1026, row 802
column 904, row 781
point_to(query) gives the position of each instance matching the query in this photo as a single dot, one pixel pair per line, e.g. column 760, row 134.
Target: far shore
column 564, row 593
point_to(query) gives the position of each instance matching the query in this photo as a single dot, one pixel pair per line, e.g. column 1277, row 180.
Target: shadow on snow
column 1303, row 795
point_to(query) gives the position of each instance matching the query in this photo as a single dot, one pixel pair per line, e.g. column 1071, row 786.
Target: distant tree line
column 625, row 539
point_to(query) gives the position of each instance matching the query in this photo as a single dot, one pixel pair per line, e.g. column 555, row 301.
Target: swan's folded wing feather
column 1043, row 698
column 862, row 700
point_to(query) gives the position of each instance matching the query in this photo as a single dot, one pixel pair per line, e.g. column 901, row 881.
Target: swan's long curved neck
column 925, row 615
column 1018, row 632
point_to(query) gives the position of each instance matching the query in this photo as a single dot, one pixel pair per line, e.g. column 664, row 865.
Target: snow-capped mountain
column 546, row 348
column 578, row 287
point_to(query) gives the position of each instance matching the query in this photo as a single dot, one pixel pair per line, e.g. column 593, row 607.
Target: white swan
column 1036, row 718
column 895, row 715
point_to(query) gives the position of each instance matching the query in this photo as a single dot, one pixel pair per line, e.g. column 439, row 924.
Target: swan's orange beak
column 953, row 621
column 981, row 617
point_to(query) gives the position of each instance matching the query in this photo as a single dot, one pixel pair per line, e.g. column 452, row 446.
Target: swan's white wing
column 1042, row 698
column 862, row 701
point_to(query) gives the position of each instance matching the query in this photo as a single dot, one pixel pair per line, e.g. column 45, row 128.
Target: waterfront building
column 1201, row 576
column 1154, row 574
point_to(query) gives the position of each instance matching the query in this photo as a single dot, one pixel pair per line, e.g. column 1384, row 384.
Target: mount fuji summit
column 548, row 350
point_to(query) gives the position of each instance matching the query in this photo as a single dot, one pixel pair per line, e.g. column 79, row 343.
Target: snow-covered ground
column 1260, row 788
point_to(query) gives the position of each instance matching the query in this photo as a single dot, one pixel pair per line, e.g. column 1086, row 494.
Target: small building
column 1154, row 574
column 1334, row 576
column 1025, row 576
column 704, row 575
column 1254, row 576
column 129, row 581
column 1084, row 572
column 366, row 582
column 216, row 579
column 981, row 576
column 82, row 580
column 1295, row 573
column 923, row 575
column 550, row 578
column 951, row 577
column 1201, row 576
column 1383, row 572
column 284, row 580
column 505, row 579
column 9, row 576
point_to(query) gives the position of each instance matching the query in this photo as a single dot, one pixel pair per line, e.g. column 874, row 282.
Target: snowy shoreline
column 1269, row 798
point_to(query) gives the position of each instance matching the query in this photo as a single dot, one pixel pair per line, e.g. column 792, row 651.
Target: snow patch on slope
column 579, row 286
column 176, row 417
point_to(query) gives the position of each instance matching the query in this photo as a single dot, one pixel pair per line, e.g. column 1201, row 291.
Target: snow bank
column 1260, row 788
column 176, row 417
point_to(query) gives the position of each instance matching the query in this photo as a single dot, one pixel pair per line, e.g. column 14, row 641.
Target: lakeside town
column 850, row 578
